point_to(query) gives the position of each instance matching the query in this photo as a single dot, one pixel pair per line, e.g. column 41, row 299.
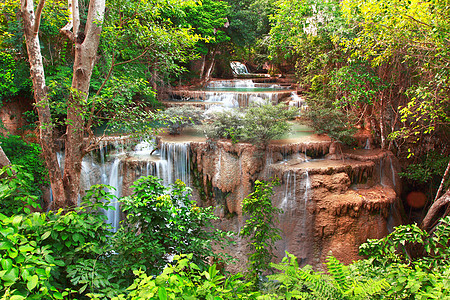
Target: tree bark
column 202, row 69
column 85, row 57
column 441, row 186
column 31, row 29
column 4, row 160
column 437, row 211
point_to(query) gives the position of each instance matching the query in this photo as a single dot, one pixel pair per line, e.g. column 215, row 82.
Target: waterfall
column 307, row 188
column 241, row 83
column 238, row 68
column 104, row 177
column 178, row 162
column 115, row 180
column 289, row 193
column 298, row 102
column 392, row 171
column 367, row 146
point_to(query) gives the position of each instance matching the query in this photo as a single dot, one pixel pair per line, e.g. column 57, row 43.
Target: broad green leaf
column 32, row 282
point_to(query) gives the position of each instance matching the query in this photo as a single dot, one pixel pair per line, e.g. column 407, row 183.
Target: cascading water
column 115, row 180
column 178, row 162
column 367, row 146
column 307, row 188
column 298, row 102
column 238, row 68
column 289, row 200
column 392, row 171
column 242, row 83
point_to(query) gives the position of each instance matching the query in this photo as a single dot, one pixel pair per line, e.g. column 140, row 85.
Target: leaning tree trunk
column 4, row 160
column 31, row 22
column 85, row 57
column 438, row 210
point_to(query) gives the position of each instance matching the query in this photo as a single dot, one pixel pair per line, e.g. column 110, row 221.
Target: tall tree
column 65, row 186
column 208, row 18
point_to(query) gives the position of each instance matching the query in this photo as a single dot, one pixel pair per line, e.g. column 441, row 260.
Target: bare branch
column 37, row 16
column 420, row 22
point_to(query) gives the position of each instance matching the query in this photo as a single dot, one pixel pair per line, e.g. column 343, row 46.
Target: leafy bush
column 183, row 279
column 26, row 264
column 325, row 118
column 415, row 263
column 162, row 222
column 260, row 227
column 427, row 170
column 28, row 157
column 259, row 124
column 37, row 249
column 15, row 196
column 226, row 124
column 178, row 117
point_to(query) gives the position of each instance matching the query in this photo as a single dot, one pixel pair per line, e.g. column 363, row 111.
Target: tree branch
column 37, row 16
column 441, row 186
column 74, row 21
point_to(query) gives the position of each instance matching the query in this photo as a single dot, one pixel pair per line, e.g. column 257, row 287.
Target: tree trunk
column 4, row 160
column 437, row 211
column 31, row 29
column 85, row 57
column 210, row 69
column 441, row 186
column 202, row 69
column 207, row 74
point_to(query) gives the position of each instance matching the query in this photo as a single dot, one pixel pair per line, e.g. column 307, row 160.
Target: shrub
column 15, row 196
column 326, row 118
column 183, row 279
column 178, row 117
column 226, row 124
column 162, row 222
column 259, row 124
column 260, row 227
column 28, row 157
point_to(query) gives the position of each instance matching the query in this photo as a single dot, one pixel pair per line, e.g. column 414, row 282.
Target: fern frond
column 367, row 289
column 340, row 274
column 320, row 287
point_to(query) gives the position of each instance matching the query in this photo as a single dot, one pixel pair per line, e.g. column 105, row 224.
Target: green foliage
column 28, row 157
column 260, row 227
column 205, row 17
column 225, row 124
column 15, row 194
column 325, row 118
column 26, row 264
column 162, row 222
column 356, row 84
column 427, row 170
column 263, row 123
column 258, row 124
column 413, row 261
column 249, row 21
column 179, row 117
column 183, row 279
column 342, row 282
